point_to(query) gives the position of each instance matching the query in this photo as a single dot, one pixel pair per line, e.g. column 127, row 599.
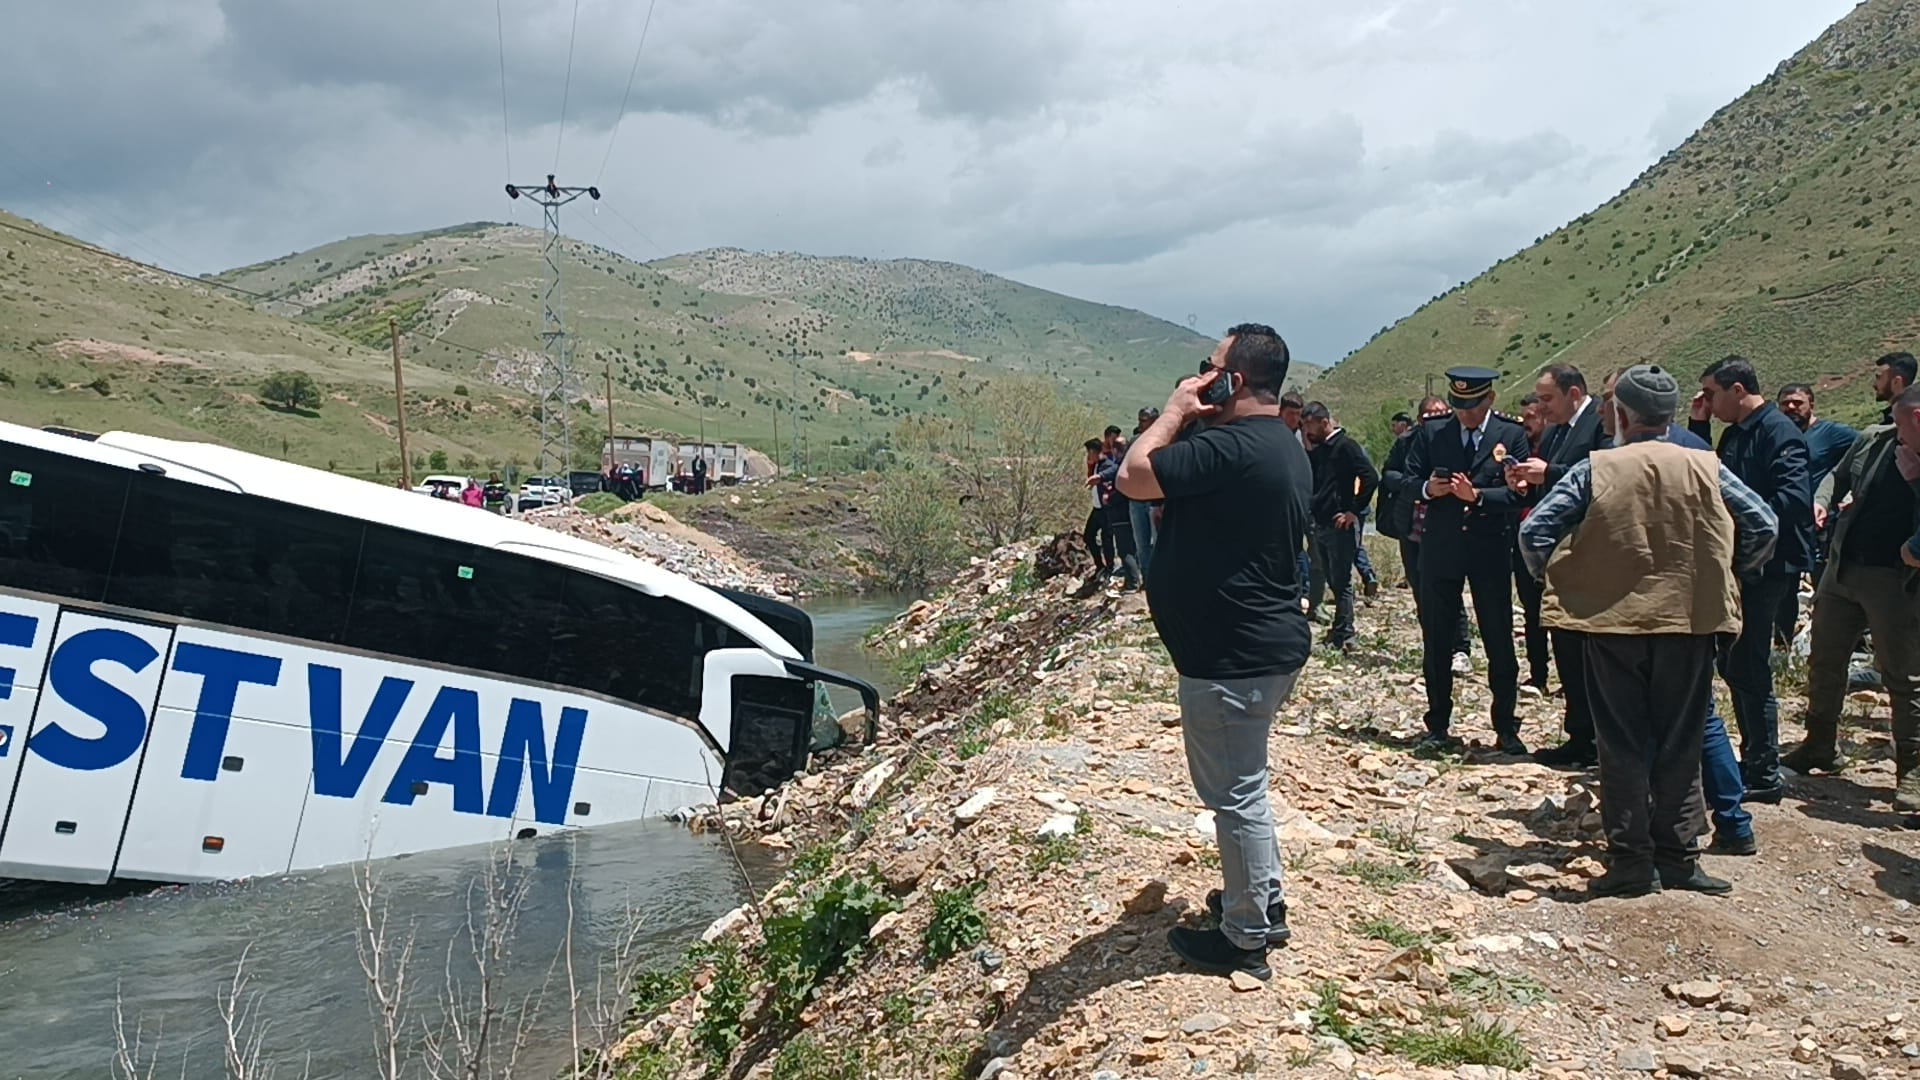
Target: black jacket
column 1567, row 445
column 1397, row 491
column 1343, row 477
column 1462, row 539
column 1769, row 452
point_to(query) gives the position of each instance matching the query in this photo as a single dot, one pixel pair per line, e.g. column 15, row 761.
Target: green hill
column 721, row 341
column 1783, row 230
column 725, row 340
column 95, row 343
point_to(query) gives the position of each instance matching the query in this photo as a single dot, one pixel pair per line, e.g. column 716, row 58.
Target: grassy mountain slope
column 1783, row 230
column 709, row 339
column 94, row 343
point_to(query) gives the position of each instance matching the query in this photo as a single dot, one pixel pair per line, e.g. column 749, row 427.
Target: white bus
column 215, row 665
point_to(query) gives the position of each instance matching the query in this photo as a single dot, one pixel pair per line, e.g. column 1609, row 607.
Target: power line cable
column 506, row 135
column 631, row 71
column 566, row 88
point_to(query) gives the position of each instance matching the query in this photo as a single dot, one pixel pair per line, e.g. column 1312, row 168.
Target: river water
column 168, row 952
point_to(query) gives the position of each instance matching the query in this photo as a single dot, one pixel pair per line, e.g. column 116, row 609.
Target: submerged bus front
column 215, row 665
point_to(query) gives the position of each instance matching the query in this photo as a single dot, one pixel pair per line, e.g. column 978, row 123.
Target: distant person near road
column 1225, row 596
column 1343, row 484
column 472, row 495
column 495, row 494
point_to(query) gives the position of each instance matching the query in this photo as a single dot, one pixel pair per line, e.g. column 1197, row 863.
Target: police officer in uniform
column 1470, row 520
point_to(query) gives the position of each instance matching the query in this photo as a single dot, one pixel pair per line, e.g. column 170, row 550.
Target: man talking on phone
column 1224, row 590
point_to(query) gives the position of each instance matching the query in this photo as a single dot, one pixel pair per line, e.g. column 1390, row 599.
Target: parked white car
column 443, row 485
column 544, row 491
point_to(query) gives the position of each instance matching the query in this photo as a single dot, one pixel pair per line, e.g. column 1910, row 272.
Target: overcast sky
column 1325, row 166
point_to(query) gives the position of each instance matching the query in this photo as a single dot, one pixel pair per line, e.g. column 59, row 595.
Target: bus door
column 76, row 769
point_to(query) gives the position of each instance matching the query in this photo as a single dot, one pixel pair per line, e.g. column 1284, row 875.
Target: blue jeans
column 1361, row 561
column 1721, row 782
column 1332, row 568
column 1746, row 665
column 1142, row 516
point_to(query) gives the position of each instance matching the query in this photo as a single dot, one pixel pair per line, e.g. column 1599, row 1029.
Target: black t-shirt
column 1882, row 523
column 1223, row 585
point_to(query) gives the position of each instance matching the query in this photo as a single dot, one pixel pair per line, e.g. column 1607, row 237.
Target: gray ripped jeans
column 1225, row 723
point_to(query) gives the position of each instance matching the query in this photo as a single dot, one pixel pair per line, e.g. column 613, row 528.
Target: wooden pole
column 611, row 462
column 400, row 403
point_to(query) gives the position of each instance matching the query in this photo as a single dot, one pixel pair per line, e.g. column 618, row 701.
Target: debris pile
column 651, row 533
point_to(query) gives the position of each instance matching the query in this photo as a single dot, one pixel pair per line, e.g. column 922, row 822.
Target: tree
column 437, row 461
column 291, row 390
column 1027, row 476
column 916, row 521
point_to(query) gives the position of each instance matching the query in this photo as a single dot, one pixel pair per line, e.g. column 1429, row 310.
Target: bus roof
column 317, row 489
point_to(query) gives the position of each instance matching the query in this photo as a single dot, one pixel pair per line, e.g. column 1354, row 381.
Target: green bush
column 805, row 946
column 720, row 1028
column 958, row 923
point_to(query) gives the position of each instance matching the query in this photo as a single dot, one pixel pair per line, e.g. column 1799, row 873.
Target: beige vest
column 1655, row 553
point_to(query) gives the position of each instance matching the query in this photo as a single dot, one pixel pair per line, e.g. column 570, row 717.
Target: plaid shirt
column 1756, row 527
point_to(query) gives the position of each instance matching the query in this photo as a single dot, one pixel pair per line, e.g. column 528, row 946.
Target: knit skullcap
column 1648, row 391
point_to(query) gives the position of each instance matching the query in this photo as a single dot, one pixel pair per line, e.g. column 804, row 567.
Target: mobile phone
column 1443, row 474
column 1220, row 390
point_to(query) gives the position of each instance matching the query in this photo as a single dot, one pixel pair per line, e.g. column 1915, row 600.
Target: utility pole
column 793, row 410
column 556, row 375
column 610, row 453
column 400, row 403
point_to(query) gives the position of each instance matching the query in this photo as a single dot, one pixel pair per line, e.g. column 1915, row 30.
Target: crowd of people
column 1645, row 560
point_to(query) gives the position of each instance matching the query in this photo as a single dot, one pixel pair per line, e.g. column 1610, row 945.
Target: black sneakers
column 1277, row 932
column 1211, row 952
column 1724, row 844
column 1435, row 742
column 1509, row 743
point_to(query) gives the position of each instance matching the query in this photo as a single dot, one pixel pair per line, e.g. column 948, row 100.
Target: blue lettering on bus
column 460, row 709
column 221, row 672
column 71, row 677
column 341, row 763
column 334, row 773
column 526, row 743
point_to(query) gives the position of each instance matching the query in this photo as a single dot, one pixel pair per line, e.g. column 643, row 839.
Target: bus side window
column 454, row 603
column 58, row 520
column 223, row 557
column 618, row 641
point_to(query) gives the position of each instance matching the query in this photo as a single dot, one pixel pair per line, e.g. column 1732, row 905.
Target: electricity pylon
column 556, row 371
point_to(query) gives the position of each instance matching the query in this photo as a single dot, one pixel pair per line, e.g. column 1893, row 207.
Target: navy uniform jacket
column 1462, row 539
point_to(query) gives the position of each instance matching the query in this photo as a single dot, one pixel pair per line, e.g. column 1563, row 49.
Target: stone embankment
column 651, row 533
column 986, row 892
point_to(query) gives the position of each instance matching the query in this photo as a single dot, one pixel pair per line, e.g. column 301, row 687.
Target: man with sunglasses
column 1224, row 592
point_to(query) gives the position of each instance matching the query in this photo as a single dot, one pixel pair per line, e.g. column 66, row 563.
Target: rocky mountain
column 1783, row 230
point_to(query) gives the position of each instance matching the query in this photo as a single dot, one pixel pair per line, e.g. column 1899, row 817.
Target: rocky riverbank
column 647, row 531
column 986, row 892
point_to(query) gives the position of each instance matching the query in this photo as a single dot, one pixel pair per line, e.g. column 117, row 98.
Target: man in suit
column 1470, row 514
column 1573, row 434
